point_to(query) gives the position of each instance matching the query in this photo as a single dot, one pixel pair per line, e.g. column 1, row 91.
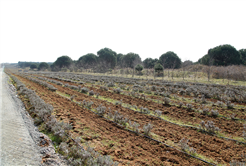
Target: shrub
column 214, row 113
column 205, row 111
column 185, row 147
column 118, row 118
column 203, row 100
column 180, row 104
column 111, row 84
column 101, row 110
column 104, row 88
column 156, row 93
column 97, row 95
column 134, row 126
column 110, row 114
column 117, row 90
column 91, row 93
column 158, row 113
column 147, row 128
column 233, row 116
column 166, row 101
column 148, row 92
column 144, row 110
column 229, row 105
column 123, row 86
column 189, row 107
column 219, row 103
column 184, row 144
column 84, row 90
column 72, row 97
column 140, row 90
column 244, row 132
column 153, row 88
column 209, row 127
column 87, row 103
column 63, row 148
column 118, row 102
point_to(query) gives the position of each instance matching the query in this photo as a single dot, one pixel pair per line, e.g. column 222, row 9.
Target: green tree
column 170, row 60
column 158, row 68
column 222, row 55
column 87, row 61
column 119, row 59
column 243, row 56
column 139, row 68
column 149, row 63
column 131, row 60
column 33, row 66
column 43, row 66
column 63, row 61
column 107, row 58
column 25, row 64
column 187, row 63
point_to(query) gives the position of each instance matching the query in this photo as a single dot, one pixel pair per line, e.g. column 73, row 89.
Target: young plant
column 158, row 113
column 101, row 110
column 185, row 147
column 214, row 113
column 91, row 93
column 209, row 127
column 117, row 90
column 134, row 126
column 180, row 104
column 147, row 128
column 84, row 90
column 205, row 111
column 189, row 107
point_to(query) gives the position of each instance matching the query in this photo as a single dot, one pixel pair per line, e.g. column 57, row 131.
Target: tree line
column 35, row 65
column 107, row 59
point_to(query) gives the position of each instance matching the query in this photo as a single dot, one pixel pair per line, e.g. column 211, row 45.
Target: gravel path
column 16, row 145
column 20, row 141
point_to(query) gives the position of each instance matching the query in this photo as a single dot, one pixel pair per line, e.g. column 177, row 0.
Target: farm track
column 207, row 145
column 125, row 147
column 232, row 128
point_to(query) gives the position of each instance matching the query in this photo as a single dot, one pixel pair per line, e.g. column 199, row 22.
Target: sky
column 43, row 30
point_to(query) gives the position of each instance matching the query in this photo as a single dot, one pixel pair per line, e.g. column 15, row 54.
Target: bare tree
column 183, row 70
column 208, row 69
column 173, row 66
column 163, row 64
column 135, row 63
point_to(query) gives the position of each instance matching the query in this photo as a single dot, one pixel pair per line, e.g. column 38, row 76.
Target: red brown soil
column 131, row 148
column 233, row 128
column 207, row 145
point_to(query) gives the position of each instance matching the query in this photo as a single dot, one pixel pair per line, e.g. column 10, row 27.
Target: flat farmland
column 148, row 122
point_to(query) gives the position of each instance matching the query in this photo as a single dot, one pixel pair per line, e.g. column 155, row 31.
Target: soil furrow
column 207, row 145
column 125, row 147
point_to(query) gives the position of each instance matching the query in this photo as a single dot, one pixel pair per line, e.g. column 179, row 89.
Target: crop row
column 43, row 114
column 233, row 127
column 220, row 92
column 160, row 153
column 124, row 111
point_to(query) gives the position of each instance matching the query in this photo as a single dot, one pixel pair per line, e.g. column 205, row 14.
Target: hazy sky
column 42, row 30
